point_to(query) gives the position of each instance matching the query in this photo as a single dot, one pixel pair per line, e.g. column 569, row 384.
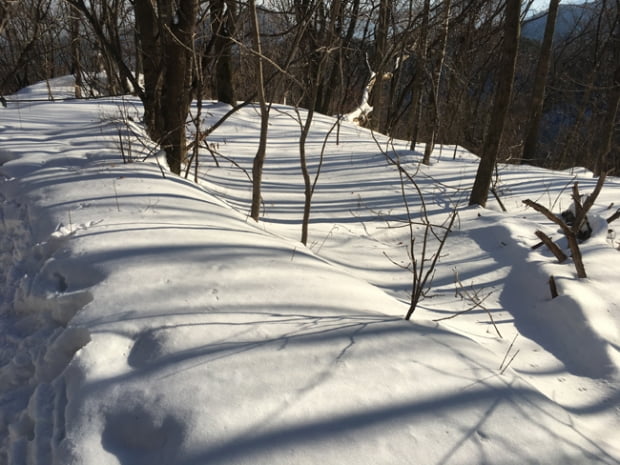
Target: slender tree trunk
column 435, row 87
column 379, row 120
column 480, row 190
column 75, row 51
column 259, row 159
column 418, row 81
column 609, row 122
column 305, row 130
column 306, row 176
column 540, row 81
column 108, row 48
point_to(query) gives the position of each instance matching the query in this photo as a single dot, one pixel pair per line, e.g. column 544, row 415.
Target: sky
column 542, row 5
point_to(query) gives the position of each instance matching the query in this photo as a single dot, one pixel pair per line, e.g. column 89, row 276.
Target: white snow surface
column 145, row 319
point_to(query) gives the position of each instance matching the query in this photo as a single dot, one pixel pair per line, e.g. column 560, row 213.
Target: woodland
column 217, row 219
column 438, row 72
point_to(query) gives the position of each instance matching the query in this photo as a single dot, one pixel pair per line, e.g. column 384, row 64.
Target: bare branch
column 552, row 246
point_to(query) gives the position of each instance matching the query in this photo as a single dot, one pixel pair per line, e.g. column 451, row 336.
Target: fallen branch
column 568, row 232
column 552, row 246
column 573, row 231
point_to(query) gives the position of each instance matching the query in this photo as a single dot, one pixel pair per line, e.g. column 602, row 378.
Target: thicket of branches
column 433, row 64
column 436, row 72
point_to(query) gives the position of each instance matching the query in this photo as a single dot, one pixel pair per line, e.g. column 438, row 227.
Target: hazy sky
column 541, row 5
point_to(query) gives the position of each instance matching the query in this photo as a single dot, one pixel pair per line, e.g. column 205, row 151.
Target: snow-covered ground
column 145, row 319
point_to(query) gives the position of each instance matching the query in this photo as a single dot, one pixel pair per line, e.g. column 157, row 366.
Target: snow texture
column 144, row 319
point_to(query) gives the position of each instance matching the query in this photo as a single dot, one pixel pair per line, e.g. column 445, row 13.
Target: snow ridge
column 38, row 298
column 145, row 320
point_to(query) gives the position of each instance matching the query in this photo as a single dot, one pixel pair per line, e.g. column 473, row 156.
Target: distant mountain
column 571, row 20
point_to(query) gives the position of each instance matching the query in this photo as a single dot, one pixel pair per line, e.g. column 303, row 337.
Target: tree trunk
column 306, row 176
column 167, row 38
column 418, row 80
column 379, row 120
column 176, row 91
column 480, row 190
column 435, row 87
column 74, row 23
column 222, row 22
column 259, row 159
column 152, row 66
column 540, row 81
column 609, row 121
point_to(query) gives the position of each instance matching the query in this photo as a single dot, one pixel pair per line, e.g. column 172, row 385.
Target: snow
column 147, row 320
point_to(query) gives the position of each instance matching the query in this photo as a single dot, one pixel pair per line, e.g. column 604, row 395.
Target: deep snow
column 145, row 319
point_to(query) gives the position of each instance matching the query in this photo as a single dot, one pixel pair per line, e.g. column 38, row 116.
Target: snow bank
column 146, row 320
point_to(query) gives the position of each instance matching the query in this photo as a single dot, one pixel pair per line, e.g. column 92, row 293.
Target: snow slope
column 146, row 320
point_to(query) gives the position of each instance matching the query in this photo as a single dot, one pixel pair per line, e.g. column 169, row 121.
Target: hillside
column 571, row 20
column 145, row 319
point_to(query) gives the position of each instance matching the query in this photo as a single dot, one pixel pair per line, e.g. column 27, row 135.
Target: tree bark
column 176, row 95
column 152, row 65
column 166, row 36
column 480, row 190
column 222, row 23
column 540, row 82
column 552, row 246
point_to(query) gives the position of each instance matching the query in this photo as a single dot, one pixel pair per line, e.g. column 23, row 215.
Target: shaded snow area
column 145, row 319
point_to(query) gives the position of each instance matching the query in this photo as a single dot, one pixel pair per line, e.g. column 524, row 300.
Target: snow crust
column 144, row 319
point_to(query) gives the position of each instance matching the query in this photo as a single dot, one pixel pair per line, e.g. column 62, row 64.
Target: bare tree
column 223, row 14
column 166, row 30
column 378, row 63
column 423, row 259
column 259, row 158
column 435, row 116
column 540, row 81
column 611, row 114
column 503, row 92
column 76, row 60
column 27, row 43
column 418, row 80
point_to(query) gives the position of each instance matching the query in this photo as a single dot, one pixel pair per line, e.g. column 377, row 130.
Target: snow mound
column 144, row 319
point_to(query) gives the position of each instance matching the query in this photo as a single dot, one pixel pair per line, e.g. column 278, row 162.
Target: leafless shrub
column 423, row 257
column 475, row 298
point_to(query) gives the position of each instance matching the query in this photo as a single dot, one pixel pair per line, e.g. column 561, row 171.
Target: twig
column 476, row 301
column 501, row 204
column 508, row 351
column 509, row 362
